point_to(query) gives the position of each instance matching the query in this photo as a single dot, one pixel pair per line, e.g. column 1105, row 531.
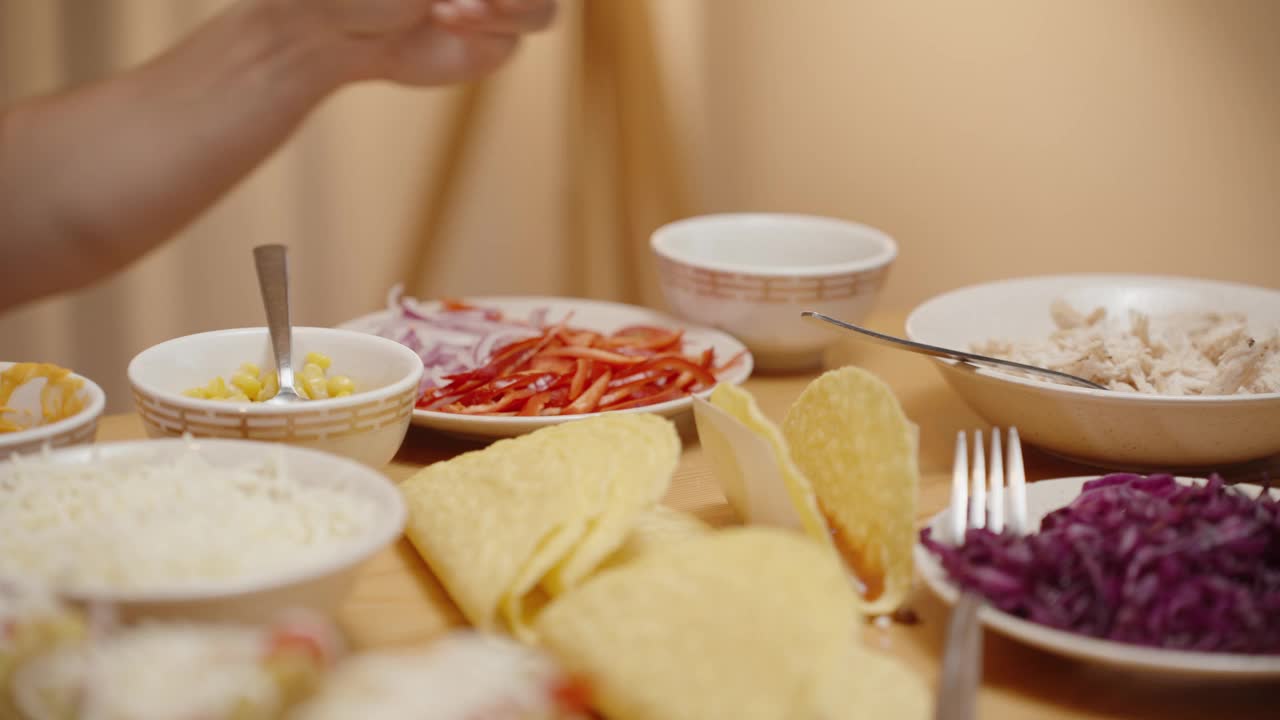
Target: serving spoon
column 272, row 262
column 941, row 352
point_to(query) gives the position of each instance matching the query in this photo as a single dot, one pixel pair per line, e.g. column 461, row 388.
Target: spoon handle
column 960, row 355
column 272, row 262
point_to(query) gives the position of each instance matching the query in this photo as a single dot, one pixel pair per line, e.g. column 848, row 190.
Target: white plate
column 589, row 314
column 1042, row 498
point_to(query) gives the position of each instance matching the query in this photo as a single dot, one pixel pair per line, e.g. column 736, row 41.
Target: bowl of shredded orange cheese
column 42, row 404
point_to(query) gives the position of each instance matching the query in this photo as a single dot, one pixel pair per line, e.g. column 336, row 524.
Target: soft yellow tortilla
column 499, row 526
column 653, row 529
column 736, row 624
column 851, row 439
column 642, row 463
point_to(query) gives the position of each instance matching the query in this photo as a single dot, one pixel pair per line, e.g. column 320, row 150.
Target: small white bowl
column 1102, row 427
column 368, row 425
column 751, row 274
column 78, row 429
column 318, row 584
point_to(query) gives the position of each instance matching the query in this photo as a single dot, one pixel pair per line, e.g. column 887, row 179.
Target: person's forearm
column 93, row 178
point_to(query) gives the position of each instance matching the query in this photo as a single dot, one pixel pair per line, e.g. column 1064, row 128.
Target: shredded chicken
column 1183, row 354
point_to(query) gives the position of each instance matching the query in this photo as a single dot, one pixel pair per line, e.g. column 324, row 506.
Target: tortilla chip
column 753, row 464
column 734, row 624
column 494, row 524
column 653, row 529
column 849, row 436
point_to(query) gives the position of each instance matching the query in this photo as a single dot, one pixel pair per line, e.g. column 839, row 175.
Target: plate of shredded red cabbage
column 1154, row 573
column 503, row 366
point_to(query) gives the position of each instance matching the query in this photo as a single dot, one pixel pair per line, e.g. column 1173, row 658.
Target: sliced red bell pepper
column 582, row 371
column 591, row 353
column 536, row 403
column 679, row 364
column 455, row 305
column 660, row 397
column 590, row 397
column 574, row 371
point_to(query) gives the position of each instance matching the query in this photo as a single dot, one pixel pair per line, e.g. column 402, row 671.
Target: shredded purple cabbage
column 1138, row 559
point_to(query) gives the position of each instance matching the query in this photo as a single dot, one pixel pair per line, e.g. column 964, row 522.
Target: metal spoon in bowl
column 272, row 263
column 964, row 357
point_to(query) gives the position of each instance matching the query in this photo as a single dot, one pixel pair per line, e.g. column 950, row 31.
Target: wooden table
column 397, row 601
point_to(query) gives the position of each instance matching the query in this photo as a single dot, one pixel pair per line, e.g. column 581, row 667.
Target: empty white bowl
column 752, row 274
column 368, row 425
column 319, row 581
column 78, row 429
column 1103, row 427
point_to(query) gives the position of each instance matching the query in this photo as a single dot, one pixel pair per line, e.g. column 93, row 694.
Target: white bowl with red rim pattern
column 367, row 426
column 751, row 275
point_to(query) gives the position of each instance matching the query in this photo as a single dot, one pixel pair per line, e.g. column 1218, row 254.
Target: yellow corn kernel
column 247, row 384
column 311, row 371
column 340, row 385
column 315, row 358
column 251, row 369
column 270, row 386
column 315, row 388
column 344, row 393
column 195, row 393
column 217, row 389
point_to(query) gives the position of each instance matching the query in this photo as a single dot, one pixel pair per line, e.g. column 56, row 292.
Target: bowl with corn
column 43, row 405
column 359, row 390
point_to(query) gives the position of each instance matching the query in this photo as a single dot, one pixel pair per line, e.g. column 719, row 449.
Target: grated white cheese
column 155, row 672
column 145, row 523
column 464, row 675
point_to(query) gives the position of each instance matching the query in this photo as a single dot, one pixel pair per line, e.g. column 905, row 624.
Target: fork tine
column 978, row 496
column 1017, row 484
column 995, row 518
column 959, row 489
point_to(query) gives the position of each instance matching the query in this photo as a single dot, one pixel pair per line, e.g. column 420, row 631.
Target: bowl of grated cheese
column 195, row 529
column 1192, row 365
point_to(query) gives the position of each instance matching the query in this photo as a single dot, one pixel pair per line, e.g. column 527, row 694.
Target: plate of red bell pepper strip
column 503, row 366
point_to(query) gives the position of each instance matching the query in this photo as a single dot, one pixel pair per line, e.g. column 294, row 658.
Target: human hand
column 430, row 42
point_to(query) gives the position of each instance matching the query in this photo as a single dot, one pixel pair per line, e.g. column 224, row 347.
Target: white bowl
column 319, row 584
column 78, row 429
column 368, row 426
column 1102, row 427
column 752, row 274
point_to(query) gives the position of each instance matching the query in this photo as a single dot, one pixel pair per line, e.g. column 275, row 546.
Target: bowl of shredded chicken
column 224, row 529
column 1191, row 366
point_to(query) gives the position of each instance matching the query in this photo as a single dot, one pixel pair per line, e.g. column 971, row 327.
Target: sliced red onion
column 454, row 341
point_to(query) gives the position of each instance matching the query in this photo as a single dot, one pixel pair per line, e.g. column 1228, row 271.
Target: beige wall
column 1005, row 137
column 990, row 137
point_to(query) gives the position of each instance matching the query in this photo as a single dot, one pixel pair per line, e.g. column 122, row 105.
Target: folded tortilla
column 509, row 527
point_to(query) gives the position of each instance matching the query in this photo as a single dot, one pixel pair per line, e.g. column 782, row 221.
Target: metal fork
column 978, row 500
